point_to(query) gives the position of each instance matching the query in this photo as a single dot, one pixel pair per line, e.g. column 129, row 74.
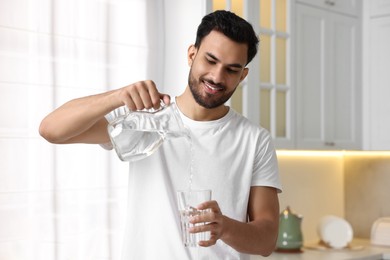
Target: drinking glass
column 188, row 200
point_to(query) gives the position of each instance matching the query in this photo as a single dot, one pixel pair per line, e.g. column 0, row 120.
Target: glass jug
column 137, row 134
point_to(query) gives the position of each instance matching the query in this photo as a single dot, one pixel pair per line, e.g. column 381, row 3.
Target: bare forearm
column 82, row 120
column 251, row 238
column 69, row 122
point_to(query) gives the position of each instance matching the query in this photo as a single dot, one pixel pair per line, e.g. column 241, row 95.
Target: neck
column 193, row 110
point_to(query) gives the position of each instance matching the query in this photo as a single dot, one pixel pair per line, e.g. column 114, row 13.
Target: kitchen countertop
column 360, row 249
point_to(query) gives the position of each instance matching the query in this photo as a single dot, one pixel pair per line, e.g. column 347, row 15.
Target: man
column 231, row 156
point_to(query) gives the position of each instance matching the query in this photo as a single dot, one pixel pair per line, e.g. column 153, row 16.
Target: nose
column 218, row 74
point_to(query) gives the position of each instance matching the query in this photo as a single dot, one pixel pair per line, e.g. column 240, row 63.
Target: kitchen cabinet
column 328, row 88
column 378, row 8
column 376, row 76
column 350, row 7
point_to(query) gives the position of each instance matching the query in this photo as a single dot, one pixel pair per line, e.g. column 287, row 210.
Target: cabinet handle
column 330, row 143
column 330, row 2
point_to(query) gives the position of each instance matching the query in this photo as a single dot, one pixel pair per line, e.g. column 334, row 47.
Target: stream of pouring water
column 191, row 163
column 191, row 177
column 190, row 210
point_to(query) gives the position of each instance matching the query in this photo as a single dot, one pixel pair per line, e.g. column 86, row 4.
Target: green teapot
column 290, row 238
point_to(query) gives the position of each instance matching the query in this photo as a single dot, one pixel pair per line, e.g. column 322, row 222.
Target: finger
column 212, row 204
column 152, row 94
column 165, row 98
column 206, row 243
column 202, row 217
column 128, row 101
column 214, row 233
column 198, row 229
column 213, row 228
column 145, row 97
column 137, row 100
column 139, row 94
column 155, row 96
column 130, row 96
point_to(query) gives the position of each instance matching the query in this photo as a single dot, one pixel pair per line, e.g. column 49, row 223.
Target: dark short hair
column 232, row 26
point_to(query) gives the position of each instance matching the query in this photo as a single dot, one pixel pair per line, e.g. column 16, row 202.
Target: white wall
column 181, row 21
column 64, row 201
column 367, row 193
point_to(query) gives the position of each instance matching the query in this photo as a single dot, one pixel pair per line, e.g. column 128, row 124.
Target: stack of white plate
column 335, row 231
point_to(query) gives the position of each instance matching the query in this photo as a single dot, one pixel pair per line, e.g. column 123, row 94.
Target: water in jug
column 137, row 134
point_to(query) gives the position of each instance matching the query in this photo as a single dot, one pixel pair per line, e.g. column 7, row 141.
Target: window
column 265, row 96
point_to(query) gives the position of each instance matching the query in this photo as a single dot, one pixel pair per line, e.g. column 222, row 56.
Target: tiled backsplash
column 367, row 191
column 353, row 185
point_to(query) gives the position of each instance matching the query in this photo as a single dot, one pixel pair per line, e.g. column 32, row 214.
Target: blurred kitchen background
column 320, row 84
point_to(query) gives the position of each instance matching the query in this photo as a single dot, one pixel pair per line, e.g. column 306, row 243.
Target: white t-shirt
column 228, row 156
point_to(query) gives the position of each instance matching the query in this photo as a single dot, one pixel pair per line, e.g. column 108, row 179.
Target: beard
column 207, row 100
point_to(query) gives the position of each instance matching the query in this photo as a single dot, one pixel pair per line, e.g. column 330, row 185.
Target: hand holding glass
column 187, row 202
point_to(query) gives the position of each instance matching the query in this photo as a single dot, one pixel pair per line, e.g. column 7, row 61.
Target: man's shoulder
column 243, row 122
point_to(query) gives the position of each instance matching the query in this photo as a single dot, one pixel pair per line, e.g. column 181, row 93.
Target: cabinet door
column 343, row 83
column 379, row 85
column 310, row 81
column 326, row 86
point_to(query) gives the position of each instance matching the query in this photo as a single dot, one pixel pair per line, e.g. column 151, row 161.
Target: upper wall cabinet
column 377, row 8
column 317, row 81
column 376, row 75
column 349, row 7
column 327, row 71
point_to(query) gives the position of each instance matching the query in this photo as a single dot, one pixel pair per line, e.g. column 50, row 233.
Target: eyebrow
column 236, row 65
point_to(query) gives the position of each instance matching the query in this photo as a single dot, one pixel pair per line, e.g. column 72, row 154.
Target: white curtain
column 66, row 201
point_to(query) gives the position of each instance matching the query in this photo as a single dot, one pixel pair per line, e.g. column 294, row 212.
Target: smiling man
column 217, row 67
column 232, row 156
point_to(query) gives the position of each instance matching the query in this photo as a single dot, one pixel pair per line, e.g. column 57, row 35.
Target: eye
column 210, row 61
column 231, row 71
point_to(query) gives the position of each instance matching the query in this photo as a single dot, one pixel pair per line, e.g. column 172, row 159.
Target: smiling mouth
column 212, row 88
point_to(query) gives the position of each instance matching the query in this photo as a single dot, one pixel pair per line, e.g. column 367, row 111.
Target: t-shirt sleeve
column 265, row 169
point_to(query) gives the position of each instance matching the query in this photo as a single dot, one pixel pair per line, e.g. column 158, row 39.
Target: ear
column 244, row 74
column 191, row 54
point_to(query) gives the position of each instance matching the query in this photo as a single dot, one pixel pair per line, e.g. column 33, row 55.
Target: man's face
column 217, row 67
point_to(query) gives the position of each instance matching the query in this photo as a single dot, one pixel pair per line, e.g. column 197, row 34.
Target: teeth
column 213, row 88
